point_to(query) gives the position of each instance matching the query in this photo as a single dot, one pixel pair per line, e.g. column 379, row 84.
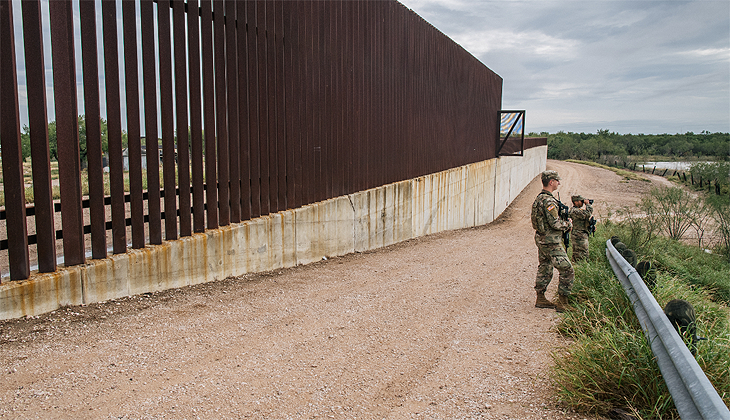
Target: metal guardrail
column 693, row 394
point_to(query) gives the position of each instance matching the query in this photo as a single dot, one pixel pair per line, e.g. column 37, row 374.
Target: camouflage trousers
column 580, row 245
column 549, row 256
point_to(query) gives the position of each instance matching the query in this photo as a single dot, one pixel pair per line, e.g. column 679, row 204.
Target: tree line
column 589, row 146
column 53, row 142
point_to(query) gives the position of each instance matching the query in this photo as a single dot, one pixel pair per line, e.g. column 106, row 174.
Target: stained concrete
column 466, row 196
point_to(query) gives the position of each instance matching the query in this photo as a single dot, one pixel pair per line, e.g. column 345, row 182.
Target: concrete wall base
column 466, row 196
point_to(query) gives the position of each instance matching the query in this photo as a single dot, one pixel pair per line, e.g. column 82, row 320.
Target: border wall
column 466, row 196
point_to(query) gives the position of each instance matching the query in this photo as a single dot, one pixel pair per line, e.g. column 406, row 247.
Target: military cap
column 577, row 198
column 548, row 175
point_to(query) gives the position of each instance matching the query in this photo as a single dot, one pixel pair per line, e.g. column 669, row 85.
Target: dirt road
column 442, row 327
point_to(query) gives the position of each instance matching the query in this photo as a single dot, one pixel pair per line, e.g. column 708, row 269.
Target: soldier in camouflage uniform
column 579, row 235
column 549, row 229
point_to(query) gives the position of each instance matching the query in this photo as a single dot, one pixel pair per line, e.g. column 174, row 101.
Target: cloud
column 611, row 64
column 532, row 43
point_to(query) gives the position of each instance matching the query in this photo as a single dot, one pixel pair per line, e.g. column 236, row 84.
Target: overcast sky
column 626, row 66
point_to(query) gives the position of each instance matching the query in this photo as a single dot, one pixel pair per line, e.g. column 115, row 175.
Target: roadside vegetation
column 609, row 368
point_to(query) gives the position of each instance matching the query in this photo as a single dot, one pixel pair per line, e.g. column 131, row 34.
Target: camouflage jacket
column 581, row 216
column 548, row 226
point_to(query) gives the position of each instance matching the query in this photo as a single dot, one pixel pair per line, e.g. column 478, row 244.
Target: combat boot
column 542, row 301
column 562, row 304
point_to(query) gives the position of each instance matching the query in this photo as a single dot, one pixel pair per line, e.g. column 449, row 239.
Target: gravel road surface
column 441, row 327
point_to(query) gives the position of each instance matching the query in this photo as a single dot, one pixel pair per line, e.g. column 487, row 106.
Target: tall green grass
column 609, row 364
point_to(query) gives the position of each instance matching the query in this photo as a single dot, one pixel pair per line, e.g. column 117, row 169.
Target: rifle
column 591, row 223
column 563, row 211
column 592, row 226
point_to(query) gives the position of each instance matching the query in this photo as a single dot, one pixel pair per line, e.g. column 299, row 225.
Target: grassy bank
column 610, row 364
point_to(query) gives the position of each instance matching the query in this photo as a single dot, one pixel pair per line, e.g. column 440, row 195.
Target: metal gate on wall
column 301, row 101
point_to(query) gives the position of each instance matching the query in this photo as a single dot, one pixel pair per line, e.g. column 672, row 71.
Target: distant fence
column 301, row 101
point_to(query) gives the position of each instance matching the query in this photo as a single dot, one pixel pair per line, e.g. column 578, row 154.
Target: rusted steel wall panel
column 224, row 213
column 114, row 124
column 290, row 112
column 307, row 92
column 233, row 113
column 12, row 158
column 166, row 121
column 134, row 147
column 263, row 106
column 196, row 123
column 286, row 103
column 253, row 108
column 149, row 66
column 69, row 165
column 209, row 116
column 40, row 153
column 181, row 115
column 271, row 59
column 280, row 104
column 244, row 173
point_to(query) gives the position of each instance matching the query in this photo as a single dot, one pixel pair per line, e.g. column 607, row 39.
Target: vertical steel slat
column 370, row 96
column 363, row 92
column 307, row 95
column 395, row 41
column 349, row 134
column 341, row 92
column 300, row 53
column 134, row 145
column 67, row 133
column 318, row 105
column 334, row 41
column 326, row 92
column 14, row 190
column 181, row 107
column 151, row 130
column 224, row 209
column 233, row 134
column 280, row 104
column 252, row 54
column 114, row 126
column 379, row 78
column 292, row 41
column 359, row 68
column 196, row 124
column 338, row 91
column 243, row 133
column 166, row 119
column 94, row 151
column 211, row 192
column 328, row 108
column 290, row 110
column 271, row 106
column 415, row 69
column 356, row 96
column 374, row 136
column 312, row 103
column 263, row 105
column 40, row 153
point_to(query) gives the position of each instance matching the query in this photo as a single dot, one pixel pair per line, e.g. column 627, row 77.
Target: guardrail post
column 693, row 394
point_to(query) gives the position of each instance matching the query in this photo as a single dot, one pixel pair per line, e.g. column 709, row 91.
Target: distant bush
column 590, row 146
